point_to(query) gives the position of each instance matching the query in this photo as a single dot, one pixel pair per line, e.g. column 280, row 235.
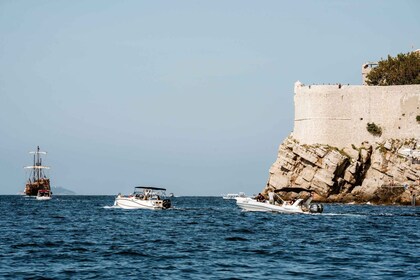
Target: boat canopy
column 150, row 188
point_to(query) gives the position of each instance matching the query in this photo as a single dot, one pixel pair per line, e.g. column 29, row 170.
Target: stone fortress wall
column 337, row 115
column 332, row 154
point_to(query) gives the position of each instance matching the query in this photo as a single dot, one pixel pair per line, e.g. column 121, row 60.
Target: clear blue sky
column 194, row 96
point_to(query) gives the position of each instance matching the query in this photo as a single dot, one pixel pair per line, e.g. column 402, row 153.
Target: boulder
column 308, row 173
column 388, row 144
column 325, row 176
column 305, row 154
column 320, row 186
column 279, row 182
column 365, row 153
column 353, row 167
column 321, row 151
column 353, row 153
column 349, row 177
column 412, row 174
column 334, row 157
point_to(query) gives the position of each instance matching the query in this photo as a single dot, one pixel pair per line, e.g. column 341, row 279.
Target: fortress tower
column 366, row 68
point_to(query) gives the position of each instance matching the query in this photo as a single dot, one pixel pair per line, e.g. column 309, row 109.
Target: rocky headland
column 376, row 173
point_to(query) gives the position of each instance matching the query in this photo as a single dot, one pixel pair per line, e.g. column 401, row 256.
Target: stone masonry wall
column 338, row 115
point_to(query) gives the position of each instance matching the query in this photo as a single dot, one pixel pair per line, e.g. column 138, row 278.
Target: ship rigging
column 37, row 178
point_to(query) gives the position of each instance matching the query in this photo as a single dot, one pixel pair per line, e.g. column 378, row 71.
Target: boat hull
column 249, row 204
column 134, row 203
column 43, row 197
column 31, row 189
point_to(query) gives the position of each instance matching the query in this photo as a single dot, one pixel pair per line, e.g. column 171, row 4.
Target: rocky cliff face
column 372, row 172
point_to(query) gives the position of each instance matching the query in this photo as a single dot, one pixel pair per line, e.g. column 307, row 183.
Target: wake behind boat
column 233, row 195
column 276, row 204
column 144, row 198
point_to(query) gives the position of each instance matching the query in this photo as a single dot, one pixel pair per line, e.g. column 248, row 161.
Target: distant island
column 61, row 191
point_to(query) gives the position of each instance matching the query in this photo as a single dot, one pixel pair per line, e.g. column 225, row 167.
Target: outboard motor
column 316, row 208
column 166, row 203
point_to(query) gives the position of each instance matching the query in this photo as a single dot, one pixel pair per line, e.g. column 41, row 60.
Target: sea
column 86, row 237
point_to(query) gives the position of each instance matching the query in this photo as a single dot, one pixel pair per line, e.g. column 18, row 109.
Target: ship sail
column 36, row 167
column 37, row 179
column 38, row 152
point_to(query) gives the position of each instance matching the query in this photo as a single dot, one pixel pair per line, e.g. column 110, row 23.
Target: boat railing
column 149, row 195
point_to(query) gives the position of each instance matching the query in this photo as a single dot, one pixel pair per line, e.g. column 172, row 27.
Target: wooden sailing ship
column 37, row 178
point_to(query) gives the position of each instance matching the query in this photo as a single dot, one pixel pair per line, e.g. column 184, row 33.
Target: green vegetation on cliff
column 374, row 129
column 404, row 69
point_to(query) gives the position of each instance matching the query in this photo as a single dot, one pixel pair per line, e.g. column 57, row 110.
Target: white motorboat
column 44, row 195
column 233, row 195
column 298, row 206
column 144, row 198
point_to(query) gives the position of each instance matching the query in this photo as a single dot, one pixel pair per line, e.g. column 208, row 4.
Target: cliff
column 331, row 152
column 375, row 173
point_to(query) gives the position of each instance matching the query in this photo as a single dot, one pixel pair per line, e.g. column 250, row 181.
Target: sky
column 193, row 96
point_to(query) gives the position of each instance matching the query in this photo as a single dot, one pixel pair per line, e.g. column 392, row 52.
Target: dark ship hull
column 32, row 188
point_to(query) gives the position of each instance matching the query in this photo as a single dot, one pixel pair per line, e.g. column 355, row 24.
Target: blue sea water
column 84, row 237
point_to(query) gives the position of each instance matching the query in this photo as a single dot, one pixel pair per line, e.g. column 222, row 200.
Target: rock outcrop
column 370, row 172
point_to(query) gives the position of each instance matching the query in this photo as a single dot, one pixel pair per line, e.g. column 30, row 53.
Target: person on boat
column 271, row 196
column 260, row 198
column 309, row 200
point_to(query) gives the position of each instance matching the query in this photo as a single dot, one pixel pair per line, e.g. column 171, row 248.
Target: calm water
column 82, row 237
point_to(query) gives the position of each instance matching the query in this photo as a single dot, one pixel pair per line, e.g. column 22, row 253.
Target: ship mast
column 37, row 166
column 34, row 170
column 37, row 163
